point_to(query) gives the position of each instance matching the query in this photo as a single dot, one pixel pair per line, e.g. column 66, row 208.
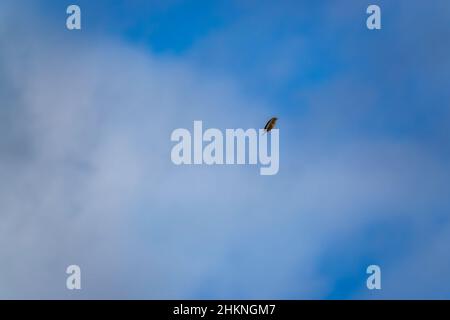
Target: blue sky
column 85, row 124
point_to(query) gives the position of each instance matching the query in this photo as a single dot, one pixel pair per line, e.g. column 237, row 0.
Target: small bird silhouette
column 270, row 124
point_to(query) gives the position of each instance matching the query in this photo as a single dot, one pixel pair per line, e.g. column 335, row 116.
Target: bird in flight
column 270, row 124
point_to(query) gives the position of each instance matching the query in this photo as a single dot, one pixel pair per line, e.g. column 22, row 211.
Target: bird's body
column 270, row 124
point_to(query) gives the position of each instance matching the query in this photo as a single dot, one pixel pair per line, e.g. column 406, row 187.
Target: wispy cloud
column 87, row 177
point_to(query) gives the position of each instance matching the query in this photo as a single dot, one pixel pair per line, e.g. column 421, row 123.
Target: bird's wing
column 267, row 124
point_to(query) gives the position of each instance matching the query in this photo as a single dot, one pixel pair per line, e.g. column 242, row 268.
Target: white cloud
column 87, row 179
